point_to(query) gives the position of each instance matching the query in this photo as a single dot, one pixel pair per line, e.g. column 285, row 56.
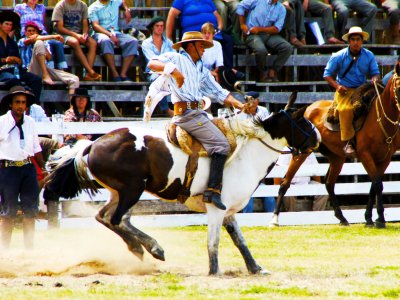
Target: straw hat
column 356, row 30
column 192, row 36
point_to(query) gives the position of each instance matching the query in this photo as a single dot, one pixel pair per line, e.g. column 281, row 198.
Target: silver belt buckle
column 188, row 105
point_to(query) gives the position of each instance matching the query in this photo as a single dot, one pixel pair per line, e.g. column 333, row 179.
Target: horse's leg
column 335, row 166
column 215, row 219
column 124, row 204
column 104, row 216
column 370, row 205
column 375, row 172
column 236, row 235
column 294, row 166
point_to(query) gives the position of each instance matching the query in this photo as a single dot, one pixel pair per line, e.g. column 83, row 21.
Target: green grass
column 306, row 262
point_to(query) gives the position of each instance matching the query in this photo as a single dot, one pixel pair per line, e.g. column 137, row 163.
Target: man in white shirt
column 19, row 186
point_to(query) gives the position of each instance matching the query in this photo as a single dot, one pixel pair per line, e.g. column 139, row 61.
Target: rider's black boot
column 213, row 192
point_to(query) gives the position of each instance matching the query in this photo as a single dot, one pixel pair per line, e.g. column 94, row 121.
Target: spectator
column 213, row 57
column 80, row 111
column 268, row 204
column 104, row 17
column 365, row 9
column 193, row 15
column 294, row 22
column 262, row 25
column 34, row 53
column 18, row 182
column 30, row 10
column 154, row 46
column 71, row 20
column 319, row 9
column 351, row 66
column 392, row 34
column 227, row 11
column 11, row 72
column 319, row 202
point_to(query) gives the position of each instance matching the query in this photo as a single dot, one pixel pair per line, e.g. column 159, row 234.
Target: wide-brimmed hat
column 33, row 24
column 153, row 21
column 18, row 90
column 227, row 78
column 356, row 30
column 80, row 92
column 8, row 15
column 192, row 36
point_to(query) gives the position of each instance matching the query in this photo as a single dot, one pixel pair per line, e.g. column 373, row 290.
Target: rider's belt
column 182, row 106
column 14, row 163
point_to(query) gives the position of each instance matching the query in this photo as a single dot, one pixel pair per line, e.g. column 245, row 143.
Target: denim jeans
column 57, row 51
column 19, row 183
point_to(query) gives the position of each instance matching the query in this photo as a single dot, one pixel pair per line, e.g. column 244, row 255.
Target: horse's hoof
column 264, row 272
column 380, row 225
column 273, row 225
column 344, row 223
column 369, row 224
column 158, row 253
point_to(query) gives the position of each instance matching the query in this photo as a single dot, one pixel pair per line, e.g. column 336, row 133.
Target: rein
column 389, row 139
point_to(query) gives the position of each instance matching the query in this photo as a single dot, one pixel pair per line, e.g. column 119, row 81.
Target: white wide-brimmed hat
column 356, row 30
column 192, row 36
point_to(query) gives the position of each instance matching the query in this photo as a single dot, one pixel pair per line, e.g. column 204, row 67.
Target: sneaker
column 117, row 79
column 126, row 79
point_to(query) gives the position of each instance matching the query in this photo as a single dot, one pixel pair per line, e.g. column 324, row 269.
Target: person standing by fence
column 19, row 186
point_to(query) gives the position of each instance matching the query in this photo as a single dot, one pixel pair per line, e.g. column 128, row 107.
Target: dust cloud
column 77, row 252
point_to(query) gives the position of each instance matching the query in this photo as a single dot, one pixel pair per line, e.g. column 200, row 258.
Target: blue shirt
column 262, row 13
column 364, row 66
column 198, row 79
column 106, row 14
column 195, row 13
column 150, row 51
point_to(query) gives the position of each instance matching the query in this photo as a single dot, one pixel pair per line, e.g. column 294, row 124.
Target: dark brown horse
column 128, row 162
column 376, row 142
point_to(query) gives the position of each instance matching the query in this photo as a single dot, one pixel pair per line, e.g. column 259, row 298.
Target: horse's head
column 394, row 84
column 289, row 123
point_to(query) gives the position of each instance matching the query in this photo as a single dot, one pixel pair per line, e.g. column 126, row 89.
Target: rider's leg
column 213, row 192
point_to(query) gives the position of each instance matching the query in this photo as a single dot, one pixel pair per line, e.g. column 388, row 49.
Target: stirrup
column 213, row 196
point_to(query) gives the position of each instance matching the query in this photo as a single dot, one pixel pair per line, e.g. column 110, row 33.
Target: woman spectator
column 80, row 111
column 30, row 10
column 213, row 57
column 193, row 15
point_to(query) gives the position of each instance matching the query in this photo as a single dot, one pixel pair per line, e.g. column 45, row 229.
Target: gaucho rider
column 351, row 66
column 192, row 81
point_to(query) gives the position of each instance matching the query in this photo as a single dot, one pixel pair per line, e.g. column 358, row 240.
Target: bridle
column 293, row 125
column 378, row 103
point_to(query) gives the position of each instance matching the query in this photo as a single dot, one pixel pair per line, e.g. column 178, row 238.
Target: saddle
column 192, row 147
column 361, row 101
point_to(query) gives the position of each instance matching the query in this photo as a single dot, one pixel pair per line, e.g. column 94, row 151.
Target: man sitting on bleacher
column 71, row 18
column 104, row 17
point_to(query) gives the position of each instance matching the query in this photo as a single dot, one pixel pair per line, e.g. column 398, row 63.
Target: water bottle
column 16, row 71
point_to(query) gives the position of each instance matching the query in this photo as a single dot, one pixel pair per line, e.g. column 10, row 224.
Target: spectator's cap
column 206, row 102
column 254, row 95
column 80, row 92
column 8, row 15
column 18, row 90
column 153, row 21
column 33, row 24
column 356, row 30
column 192, row 37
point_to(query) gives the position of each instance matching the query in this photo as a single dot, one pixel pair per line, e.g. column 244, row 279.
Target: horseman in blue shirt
column 192, row 81
column 351, row 66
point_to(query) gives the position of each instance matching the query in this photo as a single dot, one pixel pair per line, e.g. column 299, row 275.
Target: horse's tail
column 70, row 174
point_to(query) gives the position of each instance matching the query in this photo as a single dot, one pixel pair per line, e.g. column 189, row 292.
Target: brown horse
column 128, row 162
column 376, row 142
